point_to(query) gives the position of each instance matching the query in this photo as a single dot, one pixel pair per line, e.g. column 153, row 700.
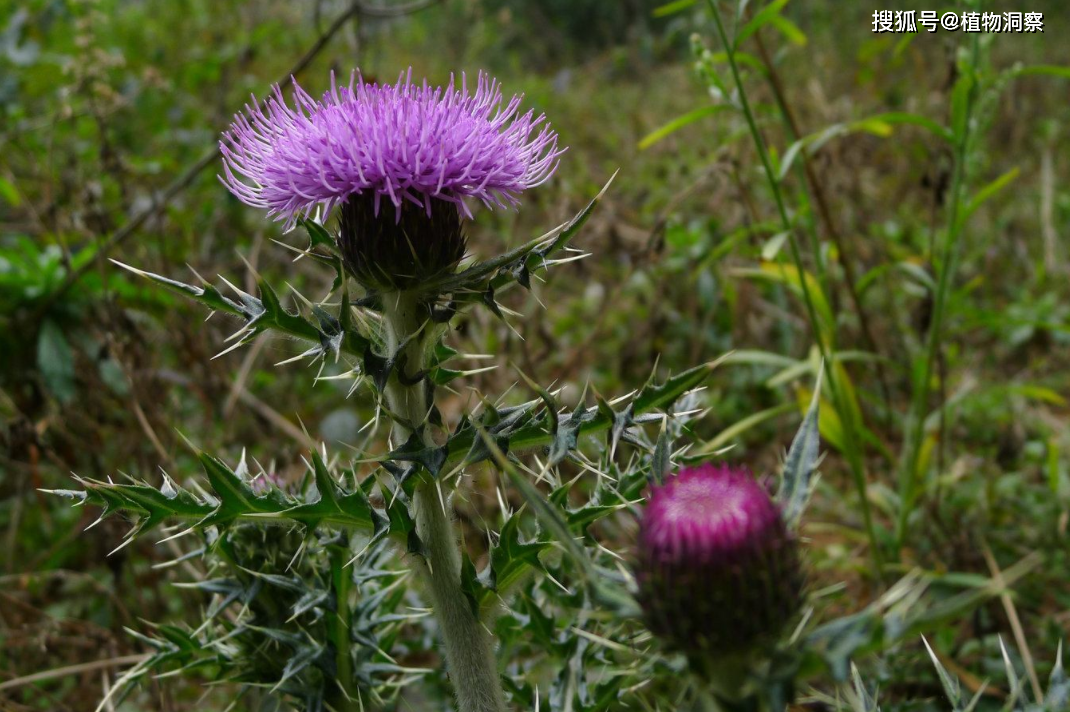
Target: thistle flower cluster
column 423, row 149
column 718, row 567
column 718, row 570
column 403, row 142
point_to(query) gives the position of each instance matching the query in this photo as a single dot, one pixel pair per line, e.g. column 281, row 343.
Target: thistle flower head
column 717, row 569
column 402, row 143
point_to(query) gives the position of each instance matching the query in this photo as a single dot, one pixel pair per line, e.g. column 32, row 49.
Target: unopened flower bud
column 718, row 570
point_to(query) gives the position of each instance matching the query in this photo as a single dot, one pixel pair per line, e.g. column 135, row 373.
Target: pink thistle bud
column 718, row 570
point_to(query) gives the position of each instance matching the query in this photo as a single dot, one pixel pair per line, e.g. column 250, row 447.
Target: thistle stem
column 469, row 651
column 346, row 697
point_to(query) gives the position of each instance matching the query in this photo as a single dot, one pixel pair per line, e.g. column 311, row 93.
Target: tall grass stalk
column 847, row 415
column 811, row 184
column 915, row 425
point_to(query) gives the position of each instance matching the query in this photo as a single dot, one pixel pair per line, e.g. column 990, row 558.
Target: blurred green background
column 107, row 106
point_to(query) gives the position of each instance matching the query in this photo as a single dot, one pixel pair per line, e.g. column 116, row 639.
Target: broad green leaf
column 671, row 8
column 877, row 125
column 743, row 59
column 1050, row 70
column 1038, row 393
column 903, row 117
column 738, row 428
column 760, row 358
column 55, row 361
column 789, row 30
column 763, row 17
column 9, row 193
column 678, row 123
column 788, row 275
column 987, row 192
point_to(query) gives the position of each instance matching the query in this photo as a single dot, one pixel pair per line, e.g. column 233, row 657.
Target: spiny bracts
column 718, row 571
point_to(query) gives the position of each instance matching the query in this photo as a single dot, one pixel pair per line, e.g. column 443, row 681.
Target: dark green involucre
column 393, row 250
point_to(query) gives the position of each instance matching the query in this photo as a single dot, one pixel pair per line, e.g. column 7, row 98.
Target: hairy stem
column 346, row 697
column 468, row 646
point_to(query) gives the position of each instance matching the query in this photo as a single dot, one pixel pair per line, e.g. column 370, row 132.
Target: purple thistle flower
column 408, row 143
column 717, row 569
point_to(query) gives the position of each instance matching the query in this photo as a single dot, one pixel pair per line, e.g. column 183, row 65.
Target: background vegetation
column 110, row 114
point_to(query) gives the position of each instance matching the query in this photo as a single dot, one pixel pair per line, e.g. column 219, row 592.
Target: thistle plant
column 397, row 168
column 320, row 590
column 399, row 161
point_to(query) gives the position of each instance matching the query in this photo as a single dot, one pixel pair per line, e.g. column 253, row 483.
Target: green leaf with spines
column 528, row 432
column 416, row 450
column 235, row 496
column 477, row 586
column 547, row 514
column 273, row 637
column 267, row 314
column 511, row 556
column 796, row 482
column 485, row 278
column 567, row 432
column 1058, row 696
column 317, row 235
column 234, row 501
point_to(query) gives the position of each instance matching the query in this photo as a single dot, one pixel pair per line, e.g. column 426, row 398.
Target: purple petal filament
column 398, row 142
column 706, row 512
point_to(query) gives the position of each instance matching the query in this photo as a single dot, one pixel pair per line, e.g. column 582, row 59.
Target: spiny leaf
column 462, row 446
column 317, row 235
column 795, row 484
column 266, row 313
column 547, row 514
column 232, row 499
column 567, row 432
column 863, row 701
column 304, row 656
column 416, row 450
column 153, row 505
column 1058, row 696
column 511, row 557
column 952, row 690
column 235, row 496
column 475, row 586
column 493, row 274
column 661, row 462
